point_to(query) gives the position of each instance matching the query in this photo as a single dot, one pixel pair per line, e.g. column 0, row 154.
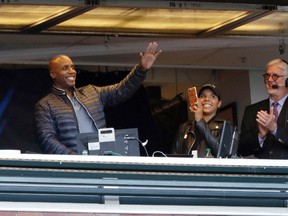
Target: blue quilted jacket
column 55, row 119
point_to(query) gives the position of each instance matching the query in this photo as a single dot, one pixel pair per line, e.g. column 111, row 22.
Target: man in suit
column 264, row 129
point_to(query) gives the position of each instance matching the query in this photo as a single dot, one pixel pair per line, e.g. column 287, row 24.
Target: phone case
column 192, row 95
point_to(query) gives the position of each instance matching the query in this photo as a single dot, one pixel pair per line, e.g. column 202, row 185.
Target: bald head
column 62, row 72
column 54, row 61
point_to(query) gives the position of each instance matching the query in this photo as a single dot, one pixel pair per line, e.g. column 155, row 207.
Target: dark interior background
column 156, row 119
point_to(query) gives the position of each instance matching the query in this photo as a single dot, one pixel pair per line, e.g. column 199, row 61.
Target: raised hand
column 148, row 58
column 197, row 109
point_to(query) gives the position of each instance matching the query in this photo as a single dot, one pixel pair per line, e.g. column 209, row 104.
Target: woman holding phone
column 203, row 132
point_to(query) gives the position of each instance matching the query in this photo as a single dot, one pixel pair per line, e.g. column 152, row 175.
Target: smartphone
column 192, row 95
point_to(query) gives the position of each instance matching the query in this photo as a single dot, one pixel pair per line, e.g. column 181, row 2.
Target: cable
column 159, row 152
column 127, row 137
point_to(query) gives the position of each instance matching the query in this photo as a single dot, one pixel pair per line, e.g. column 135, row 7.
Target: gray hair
column 280, row 63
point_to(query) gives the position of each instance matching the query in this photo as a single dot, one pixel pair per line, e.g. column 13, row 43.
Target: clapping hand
column 266, row 122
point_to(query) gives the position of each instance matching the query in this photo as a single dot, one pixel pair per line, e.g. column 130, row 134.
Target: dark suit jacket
column 274, row 147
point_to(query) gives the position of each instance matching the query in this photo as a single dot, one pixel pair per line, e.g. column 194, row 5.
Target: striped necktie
column 275, row 110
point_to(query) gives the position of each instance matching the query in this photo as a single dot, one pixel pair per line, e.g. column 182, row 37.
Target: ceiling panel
column 109, row 32
column 274, row 24
column 183, row 22
column 143, row 20
column 15, row 17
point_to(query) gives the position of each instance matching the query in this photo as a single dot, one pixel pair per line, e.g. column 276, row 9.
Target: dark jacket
column 274, row 147
column 55, row 118
column 200, row 135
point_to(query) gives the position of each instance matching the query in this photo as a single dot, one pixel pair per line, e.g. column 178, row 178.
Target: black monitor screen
column 227, row 146
column 126, row 143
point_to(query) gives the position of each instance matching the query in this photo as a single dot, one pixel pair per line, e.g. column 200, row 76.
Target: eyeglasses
column 274, row 76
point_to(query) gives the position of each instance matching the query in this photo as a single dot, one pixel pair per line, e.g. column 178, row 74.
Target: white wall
column 257, row 88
